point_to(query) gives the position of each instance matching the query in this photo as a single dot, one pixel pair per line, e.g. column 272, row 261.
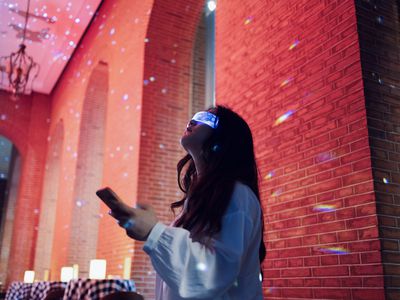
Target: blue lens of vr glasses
column 206, row 118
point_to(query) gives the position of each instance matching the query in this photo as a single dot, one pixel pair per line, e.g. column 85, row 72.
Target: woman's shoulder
column 243, row 199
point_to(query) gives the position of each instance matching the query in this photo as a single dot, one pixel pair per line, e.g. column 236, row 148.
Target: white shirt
column 189, row 270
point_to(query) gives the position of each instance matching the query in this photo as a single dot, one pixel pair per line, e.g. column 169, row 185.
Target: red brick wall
column 52, row 179
column 165, row 113
column 25, row 123
column 319, row 156
column 198, row 69
column 116, row 38
column 379, row 28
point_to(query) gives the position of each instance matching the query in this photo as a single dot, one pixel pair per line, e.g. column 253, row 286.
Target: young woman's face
column 195, row 135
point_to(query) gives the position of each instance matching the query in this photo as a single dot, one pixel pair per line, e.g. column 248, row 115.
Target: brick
column 350, row 258
column 366, row 270
column 296, row 272
column 328, row 293
column 330, row 271
column 368, row 294
column 329, row 260
column 348, row 235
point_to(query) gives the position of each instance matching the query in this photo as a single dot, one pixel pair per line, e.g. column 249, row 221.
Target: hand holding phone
column 110, row 198
column 138, row 222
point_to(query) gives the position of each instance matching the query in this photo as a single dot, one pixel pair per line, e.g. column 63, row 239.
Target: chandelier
column 19, row 67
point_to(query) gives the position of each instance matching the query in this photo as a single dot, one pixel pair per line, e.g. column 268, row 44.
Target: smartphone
column 109, row 197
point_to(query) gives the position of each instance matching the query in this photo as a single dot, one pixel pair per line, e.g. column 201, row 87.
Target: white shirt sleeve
column 192, row 270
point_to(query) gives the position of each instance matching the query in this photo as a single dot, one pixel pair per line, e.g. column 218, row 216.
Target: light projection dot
column 173, row 61
column 112, row 31
column 72, row 44
column 143, row 133
column 162, row 146
column 111, row 155
column 77, row 20
column 75, row 155
column 130, row 250
column 131, row 148
column 286, row 82
column 121, row 71
column 101, row 26
column 152, row 78
column 118, row 148
column 334, row 250
column 101, row 215
column 260, row 277
column 138, row 107
column 276, row 193
column 136, row 20
column 146, row 40
column 269, row 175
column 385, row 180
column 125, row 97
column 125, row 174
column 3, row 117
column 201, row 266
column 123, row 49
column 325, row 156
column 248, row 20
column 211, row 5
column 36, row 211
column 379, row 19
column 89, row 62
column 269, row 291
column 146, row 82
column 164, row 91
column 324, row 208
column 283, row 117
column 113, row 42
column 294, row 45
column 79, row 203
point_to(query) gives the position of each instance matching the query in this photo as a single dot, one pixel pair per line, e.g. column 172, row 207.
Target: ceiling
column 54, row 29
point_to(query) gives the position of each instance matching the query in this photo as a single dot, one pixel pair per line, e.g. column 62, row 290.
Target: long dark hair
column 229, row 157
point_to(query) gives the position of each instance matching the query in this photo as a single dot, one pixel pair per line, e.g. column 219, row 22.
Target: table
column 35, row 291
column 18, row 291
column 95, row 289
column 40, row 289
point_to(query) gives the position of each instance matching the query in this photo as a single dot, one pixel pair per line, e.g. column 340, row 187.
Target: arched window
column 10, row 169
column 203, row 66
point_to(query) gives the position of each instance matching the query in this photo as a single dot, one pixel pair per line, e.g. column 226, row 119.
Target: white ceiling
column 54, row 29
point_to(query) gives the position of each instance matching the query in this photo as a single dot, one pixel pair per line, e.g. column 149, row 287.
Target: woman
column 215, row 247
